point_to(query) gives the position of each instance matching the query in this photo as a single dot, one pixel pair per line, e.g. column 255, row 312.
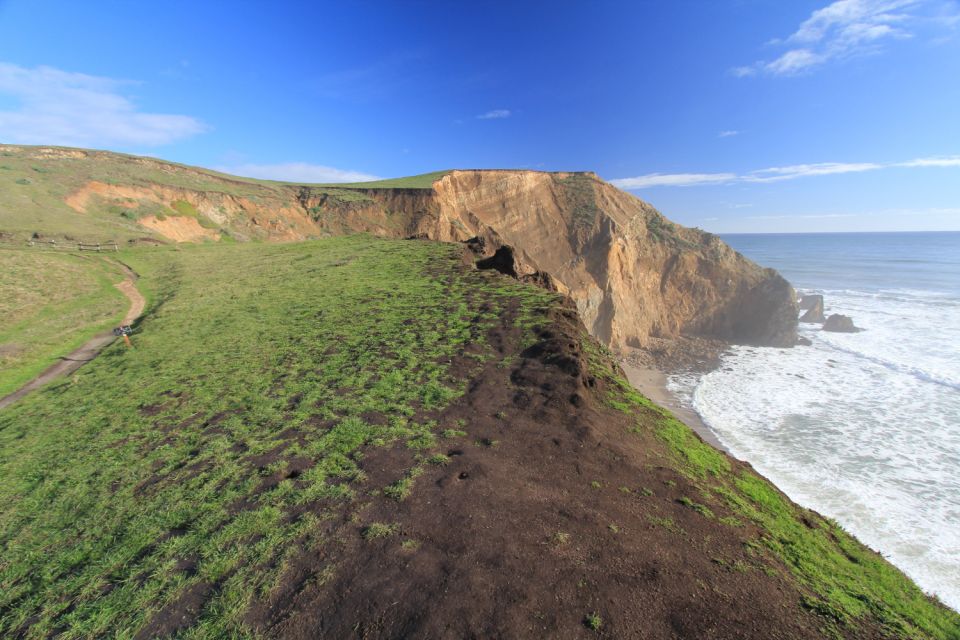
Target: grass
column 184, row 208
column 702, row 509
column 581, row 199
column 251, row 357
column 422, row 181
column 560, row 538
column 593, row 621
column 379, row 530
column 36, row 181
column 50, row 304
column 34, row 187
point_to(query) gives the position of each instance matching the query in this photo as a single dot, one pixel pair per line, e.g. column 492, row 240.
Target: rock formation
column 813, row 305
column 840, row 324
column 633, row 274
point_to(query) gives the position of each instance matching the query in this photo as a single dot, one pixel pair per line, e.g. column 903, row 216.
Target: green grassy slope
column 421, row 181
column 33, row 188
column 50, row 304
column 155, row 458
column 35, row 181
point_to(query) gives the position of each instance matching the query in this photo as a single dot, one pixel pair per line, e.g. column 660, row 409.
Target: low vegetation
column 422, row 181
column 50, row 304
column 200, row 460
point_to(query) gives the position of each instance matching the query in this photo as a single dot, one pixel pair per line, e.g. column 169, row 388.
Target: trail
column 91, row 348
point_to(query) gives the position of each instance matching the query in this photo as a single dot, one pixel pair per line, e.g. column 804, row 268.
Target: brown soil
column 549, row 510
column 91, row 348
column 179, row 228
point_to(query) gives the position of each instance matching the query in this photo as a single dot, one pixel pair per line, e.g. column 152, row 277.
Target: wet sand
column 653, row 384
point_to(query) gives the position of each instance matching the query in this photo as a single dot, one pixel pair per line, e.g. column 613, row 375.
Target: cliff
column 634, row 275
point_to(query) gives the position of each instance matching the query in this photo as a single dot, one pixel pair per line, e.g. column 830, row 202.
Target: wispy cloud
column 848, row 28
column 776, row 174
column 674, row 180
column 805, row 216
column 495, row 114
column 728, row 133
column 943, row 161
column 75, row 109
column 297, row 172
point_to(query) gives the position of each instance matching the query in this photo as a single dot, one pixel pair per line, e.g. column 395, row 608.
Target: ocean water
column 865, row 427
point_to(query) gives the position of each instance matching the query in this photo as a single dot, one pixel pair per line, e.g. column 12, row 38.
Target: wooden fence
column 72, row 245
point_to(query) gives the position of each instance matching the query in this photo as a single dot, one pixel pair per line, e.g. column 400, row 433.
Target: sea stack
column 839, row 323
column 813, row 306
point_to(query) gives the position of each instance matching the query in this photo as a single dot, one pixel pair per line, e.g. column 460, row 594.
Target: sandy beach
column 653, row 384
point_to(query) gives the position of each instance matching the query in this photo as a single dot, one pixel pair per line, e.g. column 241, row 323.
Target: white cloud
column 75, row 109
column 805, row 216
column 296, row 172
column 793, row 61
column 945, row 161
column 673, row 180
column 728, row 134
column 776, row 174
column 495, row 114
column 847, row 28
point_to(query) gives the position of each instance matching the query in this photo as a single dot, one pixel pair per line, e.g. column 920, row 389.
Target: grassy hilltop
column 36, row 184
column 356, row 437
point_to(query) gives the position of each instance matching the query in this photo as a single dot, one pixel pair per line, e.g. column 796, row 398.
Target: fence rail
column 66, row 245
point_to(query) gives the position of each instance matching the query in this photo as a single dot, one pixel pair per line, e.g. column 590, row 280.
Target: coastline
column 652, row 383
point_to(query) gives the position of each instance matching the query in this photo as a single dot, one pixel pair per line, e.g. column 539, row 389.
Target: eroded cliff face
column 633, row 274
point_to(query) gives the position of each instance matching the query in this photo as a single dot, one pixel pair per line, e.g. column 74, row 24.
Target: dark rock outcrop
column 764, row 318
column 839, row 323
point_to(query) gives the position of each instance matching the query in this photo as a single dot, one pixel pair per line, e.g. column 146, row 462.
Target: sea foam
column 862, row 427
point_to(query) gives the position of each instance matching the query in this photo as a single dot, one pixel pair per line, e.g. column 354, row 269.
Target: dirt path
column 91, row 348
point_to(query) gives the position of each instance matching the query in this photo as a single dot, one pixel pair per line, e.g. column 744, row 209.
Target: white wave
column 919, row 335
column 862, row 427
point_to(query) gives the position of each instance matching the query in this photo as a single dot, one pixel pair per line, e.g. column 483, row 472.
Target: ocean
column 865, row 427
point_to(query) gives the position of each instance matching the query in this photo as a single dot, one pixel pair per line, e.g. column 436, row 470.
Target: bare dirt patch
column 547, row 511
column 179, row 228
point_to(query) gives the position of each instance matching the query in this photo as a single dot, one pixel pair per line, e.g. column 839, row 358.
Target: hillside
column 635, row 276
column 360, row 437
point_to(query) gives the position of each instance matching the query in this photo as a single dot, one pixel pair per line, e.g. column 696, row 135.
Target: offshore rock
column 840, row 324
column 814, row 309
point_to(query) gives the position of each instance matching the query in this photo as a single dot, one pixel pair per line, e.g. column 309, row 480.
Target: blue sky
column 734, row 116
